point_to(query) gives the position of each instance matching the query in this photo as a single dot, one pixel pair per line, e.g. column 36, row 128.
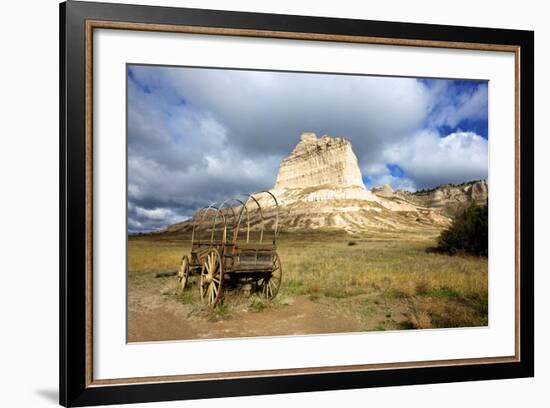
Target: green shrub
column 468, row 233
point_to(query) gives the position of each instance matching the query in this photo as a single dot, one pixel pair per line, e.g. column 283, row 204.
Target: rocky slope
column 320, row 186
column 451, row 199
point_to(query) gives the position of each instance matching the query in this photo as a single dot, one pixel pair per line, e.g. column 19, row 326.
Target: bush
column 468, row 233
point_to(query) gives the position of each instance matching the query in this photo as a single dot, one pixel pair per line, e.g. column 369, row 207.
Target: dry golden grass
column 365, row 275
column 389, row 265
column 154, row 254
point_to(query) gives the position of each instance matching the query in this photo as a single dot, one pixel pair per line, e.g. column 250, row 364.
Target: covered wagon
column 232, row 241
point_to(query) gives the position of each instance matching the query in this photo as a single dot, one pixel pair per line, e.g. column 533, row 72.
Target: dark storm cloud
column 199, row 135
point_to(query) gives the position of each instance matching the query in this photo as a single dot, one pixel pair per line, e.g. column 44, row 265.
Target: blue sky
column 196, row 135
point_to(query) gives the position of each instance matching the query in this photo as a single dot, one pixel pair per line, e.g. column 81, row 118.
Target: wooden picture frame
column 78, row 20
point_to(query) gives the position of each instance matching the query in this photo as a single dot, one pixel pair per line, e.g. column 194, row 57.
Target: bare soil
column 156, row 313
column 332, row 283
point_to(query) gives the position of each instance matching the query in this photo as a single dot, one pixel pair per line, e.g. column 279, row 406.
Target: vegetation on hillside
column 468, row 233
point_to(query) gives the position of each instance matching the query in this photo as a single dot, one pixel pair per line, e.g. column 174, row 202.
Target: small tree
column 469, row 233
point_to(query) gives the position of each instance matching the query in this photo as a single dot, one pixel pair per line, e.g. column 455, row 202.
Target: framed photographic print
column 256, row 203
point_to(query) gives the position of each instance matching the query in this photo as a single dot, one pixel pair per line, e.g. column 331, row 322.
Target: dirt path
column 154, row 314
column 301, row 317
column 331, row 283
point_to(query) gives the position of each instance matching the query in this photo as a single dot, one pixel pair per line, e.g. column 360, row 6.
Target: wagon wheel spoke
column 269, row 284
column 203, row 285
column 206, row 288
column 275, row 277
column 265, row 292
column 182, row 276
column 212, row 268
column 209, row 264
column 212, row 278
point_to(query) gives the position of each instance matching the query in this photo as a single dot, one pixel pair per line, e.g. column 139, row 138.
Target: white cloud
column 379, row 174
column 451, row 109
column 266, row 111
column 154, row 214
column 199, row 135
column 427, row 158
column 145, row 219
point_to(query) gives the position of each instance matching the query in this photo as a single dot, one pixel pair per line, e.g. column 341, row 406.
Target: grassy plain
column 381, row 281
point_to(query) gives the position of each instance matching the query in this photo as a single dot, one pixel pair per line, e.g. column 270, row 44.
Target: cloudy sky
column 196, row 135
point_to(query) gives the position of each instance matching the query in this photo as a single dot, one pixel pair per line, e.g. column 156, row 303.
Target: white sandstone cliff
column 318, row 161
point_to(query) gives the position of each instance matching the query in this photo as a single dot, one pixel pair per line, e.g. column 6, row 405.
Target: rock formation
column 454, row 198
column 318, row 161
column 451, row 199
column 383, row 191
column 320, row 186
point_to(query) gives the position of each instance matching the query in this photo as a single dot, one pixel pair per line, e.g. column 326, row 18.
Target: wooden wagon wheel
column 183, row 274
column 269, row 285
column 211, row 284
